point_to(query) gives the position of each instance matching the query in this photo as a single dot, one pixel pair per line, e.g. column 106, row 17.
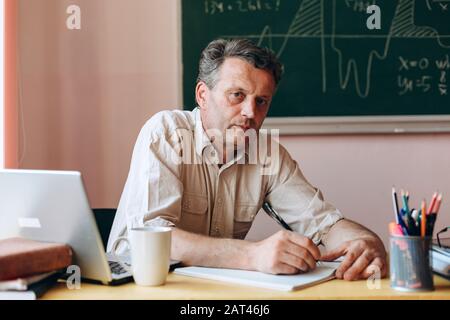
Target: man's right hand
column 285, row 252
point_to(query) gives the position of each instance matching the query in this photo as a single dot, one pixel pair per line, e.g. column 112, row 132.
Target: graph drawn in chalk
column 309, row 22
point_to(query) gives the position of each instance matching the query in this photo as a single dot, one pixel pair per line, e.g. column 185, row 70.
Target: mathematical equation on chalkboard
column 213, row 7
column 335, row 65
column 432, row 75
column 309, row 23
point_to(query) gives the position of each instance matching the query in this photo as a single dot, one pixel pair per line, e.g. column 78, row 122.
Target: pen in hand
column 269, row 210
column 274, row 215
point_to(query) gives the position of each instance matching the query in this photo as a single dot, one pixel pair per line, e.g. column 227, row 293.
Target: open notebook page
column 323, row 272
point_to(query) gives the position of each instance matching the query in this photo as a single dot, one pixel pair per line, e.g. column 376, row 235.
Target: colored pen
column 438, row 204
column 403, row 225
column 402, row 212
column 423, row 220
column 405, row 202
column 432, row 204
column 411, row 224
column 431, row 219
column 395, row 204
column 395, row 229
column 404, row 216
column 415, row 216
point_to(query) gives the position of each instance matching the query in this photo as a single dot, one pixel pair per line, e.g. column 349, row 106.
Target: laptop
column 52, row 206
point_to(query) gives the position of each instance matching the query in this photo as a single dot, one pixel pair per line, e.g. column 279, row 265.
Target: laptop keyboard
column 116, row 267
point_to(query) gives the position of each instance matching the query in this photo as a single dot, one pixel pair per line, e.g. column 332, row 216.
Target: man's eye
column 236, row 96
column 261, row 101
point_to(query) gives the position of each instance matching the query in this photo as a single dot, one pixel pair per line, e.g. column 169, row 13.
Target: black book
column 33, row 291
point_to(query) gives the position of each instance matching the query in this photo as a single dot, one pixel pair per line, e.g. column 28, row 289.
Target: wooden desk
column 180, row 287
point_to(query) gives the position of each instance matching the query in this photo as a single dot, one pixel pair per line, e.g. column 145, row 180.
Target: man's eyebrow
column 241, row 89
column 236, row 88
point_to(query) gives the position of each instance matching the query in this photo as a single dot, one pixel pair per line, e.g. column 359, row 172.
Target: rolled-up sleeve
column 300, row 204
column 153, row 190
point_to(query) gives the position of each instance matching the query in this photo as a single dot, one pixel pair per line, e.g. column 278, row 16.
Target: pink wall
column 356, row 173
column 85, row 94
column 11, row 131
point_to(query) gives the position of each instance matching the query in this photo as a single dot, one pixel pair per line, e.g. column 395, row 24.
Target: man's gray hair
column 218, row 50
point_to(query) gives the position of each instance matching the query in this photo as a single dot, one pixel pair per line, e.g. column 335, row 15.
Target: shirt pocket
column 245, row 212
column 193, row 213
column 194, row 204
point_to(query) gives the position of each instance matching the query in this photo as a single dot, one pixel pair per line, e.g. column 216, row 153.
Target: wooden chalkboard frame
column 359, row 124
column 335, row 124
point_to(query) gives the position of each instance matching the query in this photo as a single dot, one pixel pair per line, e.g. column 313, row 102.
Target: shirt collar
column 202, row 140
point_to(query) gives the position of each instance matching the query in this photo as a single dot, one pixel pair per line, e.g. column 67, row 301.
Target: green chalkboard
column 335, row 65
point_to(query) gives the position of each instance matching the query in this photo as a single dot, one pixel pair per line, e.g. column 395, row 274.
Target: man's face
column 239, row 101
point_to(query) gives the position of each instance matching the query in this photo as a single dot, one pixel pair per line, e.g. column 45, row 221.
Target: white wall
column 87, row 93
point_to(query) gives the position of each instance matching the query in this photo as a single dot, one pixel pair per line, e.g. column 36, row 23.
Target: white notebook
column 323, row 272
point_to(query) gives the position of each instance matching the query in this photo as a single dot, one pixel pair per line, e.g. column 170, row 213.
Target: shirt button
column 219, row 201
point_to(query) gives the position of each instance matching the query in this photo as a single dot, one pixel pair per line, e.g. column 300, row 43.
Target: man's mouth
column 244, row 128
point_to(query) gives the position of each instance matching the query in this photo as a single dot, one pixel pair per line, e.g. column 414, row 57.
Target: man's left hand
column 362, row 257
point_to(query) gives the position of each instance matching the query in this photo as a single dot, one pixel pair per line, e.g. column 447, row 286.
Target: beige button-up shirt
column 174, row 178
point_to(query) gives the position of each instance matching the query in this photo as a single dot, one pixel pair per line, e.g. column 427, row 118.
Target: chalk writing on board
column 309, row 21
column 359, row 5
column 423, row 75
column 442, row 5
column 213, row 7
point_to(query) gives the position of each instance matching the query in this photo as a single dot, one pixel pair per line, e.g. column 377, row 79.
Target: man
column 212, row 196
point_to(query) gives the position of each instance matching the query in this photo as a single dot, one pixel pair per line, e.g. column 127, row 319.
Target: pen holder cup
column 410, row 263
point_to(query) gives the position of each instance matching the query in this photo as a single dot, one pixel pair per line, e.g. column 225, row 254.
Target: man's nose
column 249, row 109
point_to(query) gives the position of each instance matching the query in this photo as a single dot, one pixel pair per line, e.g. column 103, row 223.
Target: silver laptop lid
column 52, row 206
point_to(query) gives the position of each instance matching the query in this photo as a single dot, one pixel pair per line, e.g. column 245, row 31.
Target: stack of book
column 29, row 268
column 440, row 255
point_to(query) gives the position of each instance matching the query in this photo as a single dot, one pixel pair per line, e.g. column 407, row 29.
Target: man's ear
column 201, row 92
